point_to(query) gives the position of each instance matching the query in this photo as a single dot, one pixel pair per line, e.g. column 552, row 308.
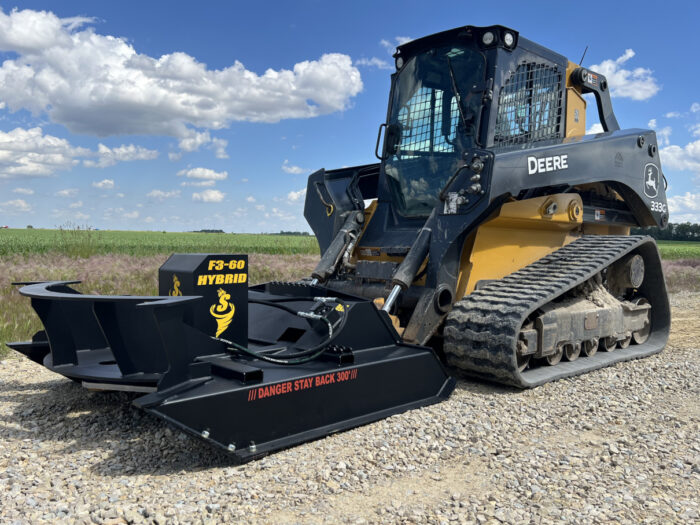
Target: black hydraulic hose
column 279, row 300
column 299, row 357
column 288, row 362
column 274, row 305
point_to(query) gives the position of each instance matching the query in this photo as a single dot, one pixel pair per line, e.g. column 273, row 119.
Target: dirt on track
column 620, row 444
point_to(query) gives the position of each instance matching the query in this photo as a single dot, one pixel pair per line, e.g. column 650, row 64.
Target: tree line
column 685, row 231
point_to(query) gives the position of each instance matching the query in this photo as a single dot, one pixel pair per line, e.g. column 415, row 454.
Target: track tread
column 482, row 329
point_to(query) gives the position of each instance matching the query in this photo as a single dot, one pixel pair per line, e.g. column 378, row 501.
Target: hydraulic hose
column 296, row 358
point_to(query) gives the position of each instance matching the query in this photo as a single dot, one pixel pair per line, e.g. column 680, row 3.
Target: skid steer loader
column 491, row 239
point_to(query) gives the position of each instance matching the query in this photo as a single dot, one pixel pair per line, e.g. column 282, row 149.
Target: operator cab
column 435, row 112
column 442, row 109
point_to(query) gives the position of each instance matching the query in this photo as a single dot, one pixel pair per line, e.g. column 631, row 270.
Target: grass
column 76, row 241
column 679, row 249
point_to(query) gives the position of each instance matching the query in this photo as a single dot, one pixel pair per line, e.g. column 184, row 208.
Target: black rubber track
column 481, row 331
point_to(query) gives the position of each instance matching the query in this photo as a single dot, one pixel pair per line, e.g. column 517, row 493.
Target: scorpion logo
column 222, row 312
column 175, row 292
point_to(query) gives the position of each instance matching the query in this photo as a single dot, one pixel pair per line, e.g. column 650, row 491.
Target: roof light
column 508, row 39
column 487, row 38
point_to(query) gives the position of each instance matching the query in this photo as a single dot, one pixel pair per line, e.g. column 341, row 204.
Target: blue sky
column 179, row 116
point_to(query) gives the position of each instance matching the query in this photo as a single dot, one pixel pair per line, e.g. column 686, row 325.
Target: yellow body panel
column 575, row 106
column 520, row 233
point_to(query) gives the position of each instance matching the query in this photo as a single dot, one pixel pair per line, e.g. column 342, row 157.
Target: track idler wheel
column 522, row 354
column 523, row 361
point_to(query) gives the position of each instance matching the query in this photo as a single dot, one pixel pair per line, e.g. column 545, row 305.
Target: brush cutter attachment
column 303, row 363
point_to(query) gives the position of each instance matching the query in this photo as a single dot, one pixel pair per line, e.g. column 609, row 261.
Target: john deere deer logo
column 222, row 312
column 176, row 287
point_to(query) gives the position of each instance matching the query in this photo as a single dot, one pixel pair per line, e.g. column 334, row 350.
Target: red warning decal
column 305, row 383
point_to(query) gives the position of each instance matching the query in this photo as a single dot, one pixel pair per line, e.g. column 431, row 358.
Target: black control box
column 221, row 281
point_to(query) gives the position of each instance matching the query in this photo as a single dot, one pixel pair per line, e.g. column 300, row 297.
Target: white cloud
column 28, row 152
column 193, row 140
column 250, row 198
column 219, row 147
column 637, row 84
column 200, row 184
column 23, row 191
column 686, row 158
column 15, row 206
column 595, row 128
column 695, row 130
column 684, row 203
column 105, row 184
column 260, row 207
column 209, row 196
column 390, row 46
column 70, row 192
column 110, row 156
column 280, row 214
column 672, row 114
column 81, row 216
column 663, row 135
column 120, row 195
column 172, row 156
column 99, row 84
column 131, row 215
column 695, row 107
column 374, row 62
column 203, row 173
column 162, row 195
column 289, row 168
column 294, row 196
column 76, row 204
column 244, row 180
column 684, row 208
column 149, row 219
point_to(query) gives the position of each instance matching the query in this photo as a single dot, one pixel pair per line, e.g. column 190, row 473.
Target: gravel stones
column 619, row 444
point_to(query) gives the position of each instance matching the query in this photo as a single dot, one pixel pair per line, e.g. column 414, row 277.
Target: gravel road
column 617, row 445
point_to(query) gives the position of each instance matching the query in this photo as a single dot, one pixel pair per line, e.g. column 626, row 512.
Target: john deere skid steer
column 490, row 240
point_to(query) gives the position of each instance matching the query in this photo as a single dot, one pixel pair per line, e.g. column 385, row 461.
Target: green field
column 673, row 250
column 84, row 243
